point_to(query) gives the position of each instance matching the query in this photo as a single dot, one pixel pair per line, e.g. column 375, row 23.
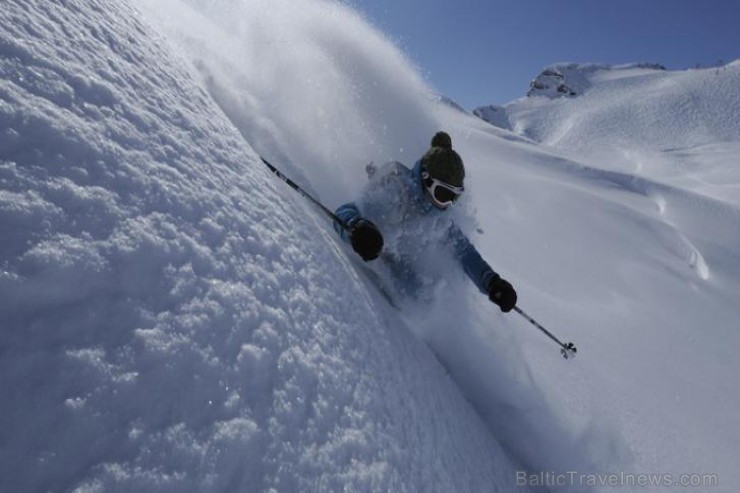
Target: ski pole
column 298, row 189
column 567, row 350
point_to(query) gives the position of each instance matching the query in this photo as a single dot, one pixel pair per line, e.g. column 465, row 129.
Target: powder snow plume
column 310, row 84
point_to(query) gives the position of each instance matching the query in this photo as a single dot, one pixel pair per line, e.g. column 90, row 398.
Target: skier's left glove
column 501, row 292
column 366, row 239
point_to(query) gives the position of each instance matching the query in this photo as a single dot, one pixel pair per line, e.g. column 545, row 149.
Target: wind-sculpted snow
column 173, row 319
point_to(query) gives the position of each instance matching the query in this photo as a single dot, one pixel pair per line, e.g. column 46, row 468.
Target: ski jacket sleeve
column 471, row 261
column 349, row 214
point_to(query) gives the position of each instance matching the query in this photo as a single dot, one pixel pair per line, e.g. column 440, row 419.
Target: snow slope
column 381, row 110
column 681, row 128
column 643, row 250
column 642, row 275
column 173, row 319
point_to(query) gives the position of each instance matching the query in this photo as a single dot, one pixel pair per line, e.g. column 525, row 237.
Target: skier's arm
column 362, row 234
column 471, row 261
column 487, row 280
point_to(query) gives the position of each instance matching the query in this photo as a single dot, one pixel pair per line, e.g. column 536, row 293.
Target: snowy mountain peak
column 572, row 79
column 565, row 80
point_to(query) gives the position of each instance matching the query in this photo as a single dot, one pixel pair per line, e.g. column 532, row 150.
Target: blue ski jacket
column 395, row 201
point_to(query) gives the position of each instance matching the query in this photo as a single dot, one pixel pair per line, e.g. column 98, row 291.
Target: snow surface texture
column 172, row 318
column 175, row 319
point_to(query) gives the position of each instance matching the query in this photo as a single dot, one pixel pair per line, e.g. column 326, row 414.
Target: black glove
column 502, row 293
column 366, row 239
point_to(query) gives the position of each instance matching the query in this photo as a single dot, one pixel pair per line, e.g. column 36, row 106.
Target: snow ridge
column 170, row 321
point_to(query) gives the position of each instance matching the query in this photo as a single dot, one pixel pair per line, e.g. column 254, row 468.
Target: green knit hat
column 443, row 163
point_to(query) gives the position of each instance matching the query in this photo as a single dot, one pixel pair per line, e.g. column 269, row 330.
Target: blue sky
column 486, row 51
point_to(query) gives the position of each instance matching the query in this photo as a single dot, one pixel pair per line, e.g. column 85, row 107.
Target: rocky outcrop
column 550, row 82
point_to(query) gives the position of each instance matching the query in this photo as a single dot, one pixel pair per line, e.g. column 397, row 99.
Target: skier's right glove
column 366, row 239
column 503, row 294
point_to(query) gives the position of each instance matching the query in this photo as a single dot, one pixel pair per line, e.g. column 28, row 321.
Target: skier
column 411, row 205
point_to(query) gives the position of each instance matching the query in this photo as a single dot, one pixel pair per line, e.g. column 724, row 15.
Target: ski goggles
column 443, row 194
